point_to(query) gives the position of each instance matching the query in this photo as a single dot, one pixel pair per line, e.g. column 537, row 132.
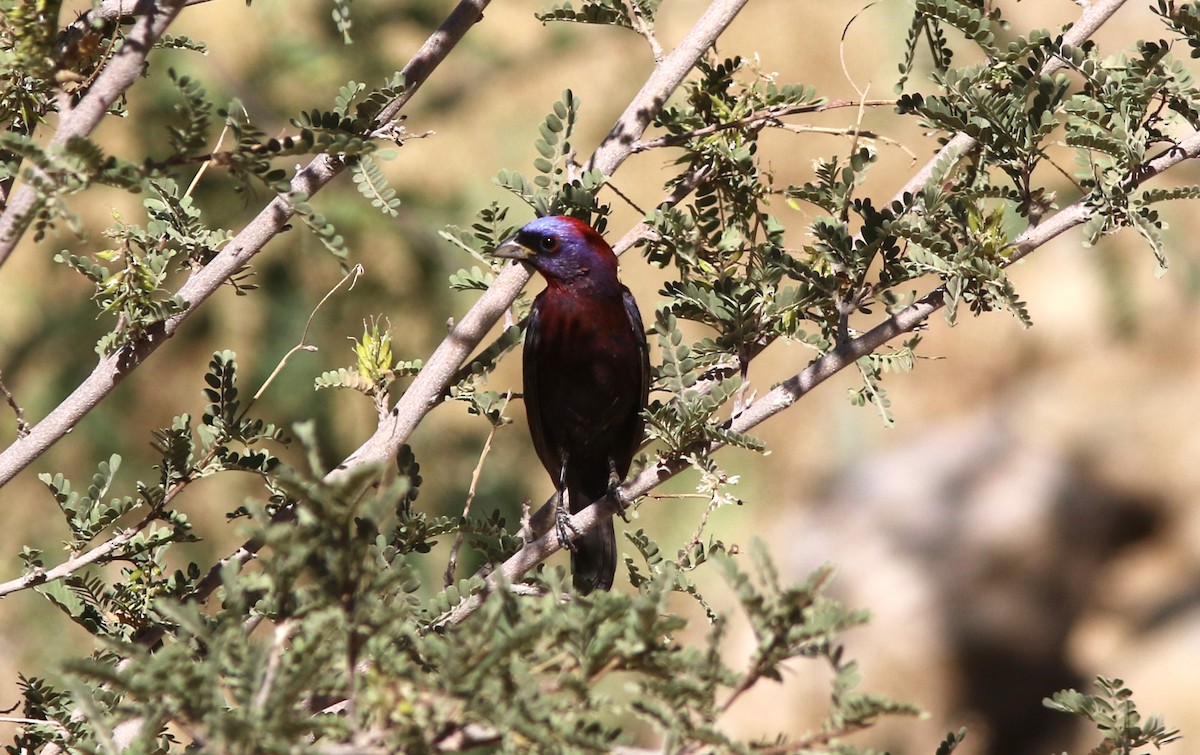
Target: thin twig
column 352, row 276
column 42, row 576
column 283, row 633
column 38, row 722
column 848, row 300
column 204, row 166
column 712, row 506
column 22, row 423
column 452, row 565
column 624, row 197
column 643, row 26
column 767, row 116
column 852, row 131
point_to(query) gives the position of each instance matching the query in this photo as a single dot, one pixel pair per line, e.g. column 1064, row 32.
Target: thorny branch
column 460, row 536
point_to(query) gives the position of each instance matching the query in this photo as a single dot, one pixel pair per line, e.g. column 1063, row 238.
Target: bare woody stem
column 665, row 79
column 204, row 282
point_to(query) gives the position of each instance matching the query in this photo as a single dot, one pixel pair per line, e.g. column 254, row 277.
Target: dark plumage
column 587, row 376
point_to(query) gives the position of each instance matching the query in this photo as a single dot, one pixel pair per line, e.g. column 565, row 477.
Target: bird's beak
column 514, row 250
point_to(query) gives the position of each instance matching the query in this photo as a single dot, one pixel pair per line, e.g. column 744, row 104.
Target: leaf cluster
column 560, row 187
column 604, row 12
column 225, row 440
column 1114, row 713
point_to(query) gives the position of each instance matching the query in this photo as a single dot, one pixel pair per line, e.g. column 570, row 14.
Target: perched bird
column 586, row 378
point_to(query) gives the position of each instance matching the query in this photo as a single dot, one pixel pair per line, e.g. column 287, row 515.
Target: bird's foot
column 566, row 531
column 614, row 492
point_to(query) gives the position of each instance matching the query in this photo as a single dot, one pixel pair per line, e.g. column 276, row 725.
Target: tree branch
column 122, row 70
column 11, row 400
column 784, row 395
column 429, row 387
column 70, row 566
column 204, row 282
column 665, row 79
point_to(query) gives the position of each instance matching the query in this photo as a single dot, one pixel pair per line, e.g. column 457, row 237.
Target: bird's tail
column 594, row 559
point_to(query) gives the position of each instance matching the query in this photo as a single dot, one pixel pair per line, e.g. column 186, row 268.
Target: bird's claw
column 614, row 492
column 566, row 531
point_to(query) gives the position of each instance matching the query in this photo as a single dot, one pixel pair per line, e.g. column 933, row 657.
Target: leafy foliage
column 1116, row 716
column 336, row 639
column 374, row 371
column 607, row 12
column 561, row 188
column 225, row 440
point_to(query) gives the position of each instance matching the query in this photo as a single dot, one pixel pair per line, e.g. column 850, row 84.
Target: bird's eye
column 548, row 244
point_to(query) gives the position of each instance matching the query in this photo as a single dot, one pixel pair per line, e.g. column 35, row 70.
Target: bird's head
column 564, row 250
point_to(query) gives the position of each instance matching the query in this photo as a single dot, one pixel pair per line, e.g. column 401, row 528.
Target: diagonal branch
column 665, row 79
column 204, row 282
column 80, row 120
column 767, row 116
column 787, row 393
column 428, row 389
column 98, row 553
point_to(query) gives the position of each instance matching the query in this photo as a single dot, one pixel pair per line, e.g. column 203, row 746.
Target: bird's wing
column 533, row 407
column 635, row 323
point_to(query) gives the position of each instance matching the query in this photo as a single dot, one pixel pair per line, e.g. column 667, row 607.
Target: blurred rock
column 980, row 553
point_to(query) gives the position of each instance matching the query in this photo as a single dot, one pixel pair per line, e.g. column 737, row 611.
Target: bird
column 586, row 379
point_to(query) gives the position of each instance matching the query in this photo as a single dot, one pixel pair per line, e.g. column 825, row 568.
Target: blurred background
column 1029, row 521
